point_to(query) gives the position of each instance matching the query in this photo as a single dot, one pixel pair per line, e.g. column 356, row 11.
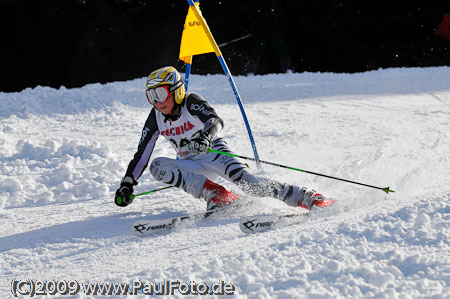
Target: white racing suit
column 190, row 171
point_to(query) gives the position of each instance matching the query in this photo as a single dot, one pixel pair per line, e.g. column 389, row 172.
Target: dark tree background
column 75, row 42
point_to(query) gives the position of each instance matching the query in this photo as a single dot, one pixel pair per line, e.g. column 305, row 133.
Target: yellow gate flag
column 194, row 40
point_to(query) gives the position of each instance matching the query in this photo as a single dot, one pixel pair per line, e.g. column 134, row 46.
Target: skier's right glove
column 124, row 194
column 200, row 144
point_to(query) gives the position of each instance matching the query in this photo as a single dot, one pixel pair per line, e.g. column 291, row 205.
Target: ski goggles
column 158, row 94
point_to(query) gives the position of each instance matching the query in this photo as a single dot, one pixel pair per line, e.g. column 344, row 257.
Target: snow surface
column 64, row 151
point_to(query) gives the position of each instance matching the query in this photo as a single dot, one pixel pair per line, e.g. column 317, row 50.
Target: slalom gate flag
column 194, row 40
column 197, row 39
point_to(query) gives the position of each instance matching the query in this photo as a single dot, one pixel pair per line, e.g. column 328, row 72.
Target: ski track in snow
column 64, row 151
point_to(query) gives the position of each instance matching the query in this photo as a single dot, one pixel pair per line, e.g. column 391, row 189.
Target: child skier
column 192, row 126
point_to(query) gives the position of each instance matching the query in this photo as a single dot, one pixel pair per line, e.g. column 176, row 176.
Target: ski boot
column 311, row 199
column 216, row 196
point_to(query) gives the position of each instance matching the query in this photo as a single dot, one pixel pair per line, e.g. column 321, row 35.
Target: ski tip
column 387, row 190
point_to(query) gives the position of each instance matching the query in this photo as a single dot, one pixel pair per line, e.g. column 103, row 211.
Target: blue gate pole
column 188, row 73
column 228, row 74
column 241, row 107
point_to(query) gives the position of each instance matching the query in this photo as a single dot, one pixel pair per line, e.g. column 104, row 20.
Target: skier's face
column 166, row 106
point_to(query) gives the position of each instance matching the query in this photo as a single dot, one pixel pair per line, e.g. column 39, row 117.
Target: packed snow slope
column 64, row 151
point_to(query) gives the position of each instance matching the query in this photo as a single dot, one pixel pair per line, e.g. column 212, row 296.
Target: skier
column 192, row 126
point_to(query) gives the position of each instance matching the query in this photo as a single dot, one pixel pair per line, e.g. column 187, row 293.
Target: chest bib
column 180, row 131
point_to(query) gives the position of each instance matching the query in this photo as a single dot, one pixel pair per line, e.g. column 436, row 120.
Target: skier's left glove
column 200, row 144
column 124, row 195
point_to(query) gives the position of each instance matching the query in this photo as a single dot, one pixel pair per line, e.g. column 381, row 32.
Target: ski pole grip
column 208, row 151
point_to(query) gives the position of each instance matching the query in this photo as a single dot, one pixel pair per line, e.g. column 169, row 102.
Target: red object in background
column 444, row 28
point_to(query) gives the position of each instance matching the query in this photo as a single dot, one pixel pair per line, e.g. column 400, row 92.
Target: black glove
column 124, row 195
column 200, row 144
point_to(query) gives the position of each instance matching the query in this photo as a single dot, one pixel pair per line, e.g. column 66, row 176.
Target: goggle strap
column 176, row 85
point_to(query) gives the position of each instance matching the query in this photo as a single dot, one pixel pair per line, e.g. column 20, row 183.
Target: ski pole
column 385, row 189
column 132, row 196
column 235, row 40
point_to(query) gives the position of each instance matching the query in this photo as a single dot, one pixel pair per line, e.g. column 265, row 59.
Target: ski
column 262, row 223
column 146, row 227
